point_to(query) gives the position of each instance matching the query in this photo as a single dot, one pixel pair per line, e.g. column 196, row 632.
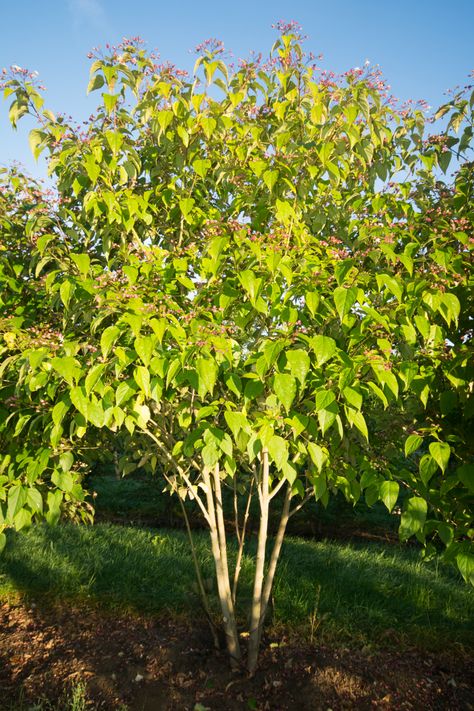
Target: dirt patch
column 157, row 665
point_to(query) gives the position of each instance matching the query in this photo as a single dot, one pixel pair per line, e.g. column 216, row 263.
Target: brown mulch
column 154, row 665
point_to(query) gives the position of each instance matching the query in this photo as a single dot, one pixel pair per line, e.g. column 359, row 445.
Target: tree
column 259, row 279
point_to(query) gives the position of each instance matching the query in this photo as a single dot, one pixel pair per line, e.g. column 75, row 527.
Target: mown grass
column 347, row 592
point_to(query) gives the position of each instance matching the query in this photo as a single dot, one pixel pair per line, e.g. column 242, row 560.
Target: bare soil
column 146, row 664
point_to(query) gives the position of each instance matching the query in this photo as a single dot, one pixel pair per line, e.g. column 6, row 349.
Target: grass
column 348, row 592
column 73, row 700
column 140, row 498
column 133, row 497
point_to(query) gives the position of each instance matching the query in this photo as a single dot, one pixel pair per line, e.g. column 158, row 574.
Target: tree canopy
column 256, row 277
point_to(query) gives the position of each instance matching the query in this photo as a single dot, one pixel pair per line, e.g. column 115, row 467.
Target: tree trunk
column 274, row 558
column 256, row 611
column 222, row 574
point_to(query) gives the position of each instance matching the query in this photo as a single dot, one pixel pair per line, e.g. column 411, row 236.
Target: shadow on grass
column 362, row 591
column 138, row 569
column 351, row 591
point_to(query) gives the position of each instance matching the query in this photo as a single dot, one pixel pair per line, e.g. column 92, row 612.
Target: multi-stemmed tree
column 255, row 278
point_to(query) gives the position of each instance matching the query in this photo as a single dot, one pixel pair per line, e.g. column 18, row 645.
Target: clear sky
column 423, row 46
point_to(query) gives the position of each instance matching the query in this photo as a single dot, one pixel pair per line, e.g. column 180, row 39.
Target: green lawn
column 140, row 498
column 347, row 592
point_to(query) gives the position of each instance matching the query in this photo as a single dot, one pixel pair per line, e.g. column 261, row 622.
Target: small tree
column 258, row 278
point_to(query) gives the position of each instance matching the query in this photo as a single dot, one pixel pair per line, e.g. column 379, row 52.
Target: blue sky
column 423, row 47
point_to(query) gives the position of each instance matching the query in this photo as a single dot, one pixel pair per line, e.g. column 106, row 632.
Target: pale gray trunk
column 219, row 552
column 274, row 558
column 256, row 611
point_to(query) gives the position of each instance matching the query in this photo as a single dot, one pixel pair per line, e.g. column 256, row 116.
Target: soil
column 142, row 664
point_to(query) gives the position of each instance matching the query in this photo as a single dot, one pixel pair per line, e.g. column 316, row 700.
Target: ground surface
column 138, row 663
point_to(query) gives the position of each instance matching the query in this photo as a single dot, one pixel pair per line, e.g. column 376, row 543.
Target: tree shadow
column 363, row 590
column 143, row 570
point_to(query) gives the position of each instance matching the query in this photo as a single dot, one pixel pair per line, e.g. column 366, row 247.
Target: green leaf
column 353, row 397
column 164, row 118
column 344, row 299
column 391, row 284
column 159, row 327
column 96, row 82
column 16, row 500
column 299, row 363
column 80, row 401
column 284, row 386
column 135, row 322
column 63, row 480
column 312, row 301
column 141, row 375
column 427, row 468
column 278, row 450
column 173, row 369
column 450, row 307
column 327, row 417
column 205, row 411
column 388, row 379
column 389, row 491
column 82, row 262
column 68, row 368
column 465, row 563
column 326, row 408
column 318, row 455
column 324, row 348
column 413, row 517
column 35, row 139
column 66, row 461
column 93, row 172
column 95, row 413
column 110, row 101
column 289, row 472
column 123, row 393
column 108, row 338
column 225, row 444
column 357, row 418
column 324, row 399
column 142, row 414
column 412, row 444
column 210, row 453
column 441, row 452
column 115, row 140
column 93, row 377
column 269, row 178
column 22, row 519
column 3, row 541
column 59, row 410
column 236, row 421
column 250, row 283
column 144, row 347
column 201, row 167
column 445, row 532
column 34, row 500
column 465, row 474
column 209, row 125
column 206, row 369
column 379, row 393
column 186, row 205
column 271, row 351
column 54, row 500
column 234, row 383
column 423, row 325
